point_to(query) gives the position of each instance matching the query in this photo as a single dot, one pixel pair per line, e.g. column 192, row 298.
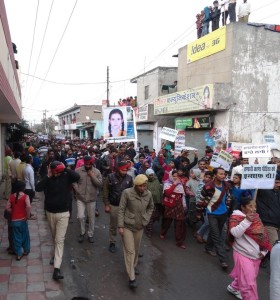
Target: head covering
column 31, row 150
column 57, row 167
column 123, row 165
column 150, row 171
column 89, row 160
column 140, row 179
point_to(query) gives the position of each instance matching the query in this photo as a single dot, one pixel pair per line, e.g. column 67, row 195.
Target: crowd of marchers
column 140, row 187
column 212, row 14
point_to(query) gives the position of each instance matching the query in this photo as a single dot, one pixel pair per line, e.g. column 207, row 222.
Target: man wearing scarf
column 113, row 187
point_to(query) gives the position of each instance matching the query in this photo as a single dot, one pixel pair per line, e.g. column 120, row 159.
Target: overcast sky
column 129, row 36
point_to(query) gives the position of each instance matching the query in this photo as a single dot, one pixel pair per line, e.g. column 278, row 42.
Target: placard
column 258, row 176
column 256, row 151
column 269, row 139
column 168, row 134
column 224, row 159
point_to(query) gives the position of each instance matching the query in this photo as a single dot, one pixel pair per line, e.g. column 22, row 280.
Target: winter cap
column 150, row 171
column 89, row 160
column 140, row 179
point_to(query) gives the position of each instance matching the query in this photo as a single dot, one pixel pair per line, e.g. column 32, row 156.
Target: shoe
column 182, row 246
column 132, row 284
column 140, row 255
column 25, row 253
column 224, row 266
column 52, row 261
column 234, row 292
column 210, row 252
column 199, row 239
column 32, row 217
column 162, row 237
column 90, row 239
column 112, row 247
column 136, row 271
column 81, row 238
column 19, row 257
column 57, row 275
column 96, row 213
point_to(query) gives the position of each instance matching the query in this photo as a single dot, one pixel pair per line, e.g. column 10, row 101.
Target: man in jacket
column 113, row 187
column 135, row 210
column 216, row 12
column 268, row 207
column 56, row 186
column 232, row 10
column 86, row 193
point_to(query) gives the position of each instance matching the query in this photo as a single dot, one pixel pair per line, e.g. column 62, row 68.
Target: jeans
column 232, row 13
column 205, row 28
column 215, row 239
column 21, row 237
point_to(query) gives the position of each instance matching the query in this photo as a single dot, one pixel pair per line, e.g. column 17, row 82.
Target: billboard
column 119, row 124
column 207, row 45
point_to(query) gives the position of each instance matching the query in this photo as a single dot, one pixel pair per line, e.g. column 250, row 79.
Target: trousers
column 113, row 223
column 21, row 237
column 89, row 208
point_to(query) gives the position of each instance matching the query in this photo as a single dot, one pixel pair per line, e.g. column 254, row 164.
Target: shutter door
column 145, row 137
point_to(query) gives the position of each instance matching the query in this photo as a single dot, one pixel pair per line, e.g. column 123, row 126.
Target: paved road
column 167, row 272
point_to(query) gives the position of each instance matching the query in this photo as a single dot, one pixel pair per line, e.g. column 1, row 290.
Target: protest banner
column 258, row 176
column 269, row 139
column 180, row 141
column 213, row 162
column 256, row 151
column 224, row 159
column 168, row 134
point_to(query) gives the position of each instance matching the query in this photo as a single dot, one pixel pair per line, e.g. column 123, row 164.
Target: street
column 166, row 271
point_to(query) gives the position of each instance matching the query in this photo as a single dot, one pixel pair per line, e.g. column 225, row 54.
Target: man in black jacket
column 56, row 186
column 215, row 15
column 268, row 207
column 113, row 187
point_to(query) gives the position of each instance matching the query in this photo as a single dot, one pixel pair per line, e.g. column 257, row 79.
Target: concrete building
column 83, row 121
column 240, row 66
column 150, row 85
column 10, row 92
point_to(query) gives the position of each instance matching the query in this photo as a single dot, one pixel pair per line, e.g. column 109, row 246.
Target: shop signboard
column 199, row 98
column 143, row 113
column 193, row 123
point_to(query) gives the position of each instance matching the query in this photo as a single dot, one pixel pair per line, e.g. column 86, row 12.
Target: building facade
column 227, row 87
column 82, row 121
column 150, row 85
column 10, row 91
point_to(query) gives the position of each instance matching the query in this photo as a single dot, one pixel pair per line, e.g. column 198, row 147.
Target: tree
column 47, row 128
column 24, row 123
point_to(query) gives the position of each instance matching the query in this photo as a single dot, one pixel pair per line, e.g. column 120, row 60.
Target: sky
column 67, row 48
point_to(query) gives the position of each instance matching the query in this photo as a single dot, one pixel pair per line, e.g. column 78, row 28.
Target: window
column 146, row 92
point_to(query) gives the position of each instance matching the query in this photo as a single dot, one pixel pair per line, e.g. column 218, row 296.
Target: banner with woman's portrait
column 119, row 124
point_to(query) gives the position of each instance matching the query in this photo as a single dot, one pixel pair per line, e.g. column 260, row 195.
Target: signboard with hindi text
column 198, row 98
column 168, row 134
column 207, row 45
column 224, row 159
column 258, row 176
column 256, row 151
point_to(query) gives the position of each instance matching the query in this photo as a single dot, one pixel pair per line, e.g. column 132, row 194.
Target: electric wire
column 33, row 38
column 40, row 51
column 50, row 65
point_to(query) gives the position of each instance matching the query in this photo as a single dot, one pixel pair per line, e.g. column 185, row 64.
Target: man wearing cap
column 113, row 187
column 57, row 204
column 86, row 193
column 135, row 210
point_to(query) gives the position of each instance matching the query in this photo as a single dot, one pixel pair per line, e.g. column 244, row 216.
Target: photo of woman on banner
column 116, row 124
column 207, row 101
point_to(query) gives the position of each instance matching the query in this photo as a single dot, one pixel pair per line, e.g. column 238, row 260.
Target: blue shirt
column 222, row 208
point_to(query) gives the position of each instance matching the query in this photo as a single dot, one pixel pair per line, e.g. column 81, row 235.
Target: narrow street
column 167, row 272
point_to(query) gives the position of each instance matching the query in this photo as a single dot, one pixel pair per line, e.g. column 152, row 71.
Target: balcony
column 70, row 126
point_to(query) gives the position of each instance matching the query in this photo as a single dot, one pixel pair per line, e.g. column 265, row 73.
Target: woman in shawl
column 250, row 245
column 154, row 186
column 174, row 190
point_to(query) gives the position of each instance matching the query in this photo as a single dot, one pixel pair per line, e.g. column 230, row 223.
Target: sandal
column 18, row 258
column 182, row 246
column 162, row 237
column 25, row 253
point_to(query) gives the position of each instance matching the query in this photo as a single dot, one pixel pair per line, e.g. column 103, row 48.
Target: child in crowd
column 19, row 207
column 250, row 245
column 202, row 233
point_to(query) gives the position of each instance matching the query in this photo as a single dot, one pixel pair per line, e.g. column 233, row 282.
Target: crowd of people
column 226, row 8
column 140, row 187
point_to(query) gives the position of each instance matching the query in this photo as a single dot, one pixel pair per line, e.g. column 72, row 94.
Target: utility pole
column 108, row 102
column 45, row 120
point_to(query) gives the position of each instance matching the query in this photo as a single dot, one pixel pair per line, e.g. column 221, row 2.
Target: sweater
column 243, row 244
